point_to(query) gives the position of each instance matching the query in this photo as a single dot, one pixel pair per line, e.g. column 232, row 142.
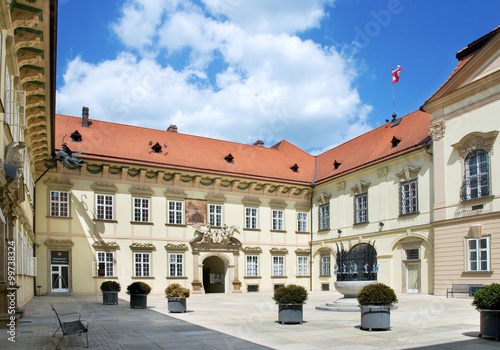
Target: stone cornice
column 278, row 250
column 475, row 140
column 254, row 249
column 112, row 245
column 137, row 246
column 176, row 246
column 104, row 187
column 59, row 183
column 141, row 190
column 58, row 243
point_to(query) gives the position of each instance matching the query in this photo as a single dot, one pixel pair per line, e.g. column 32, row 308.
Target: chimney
column 172, row 128
column 259, row 143
column 85, row 117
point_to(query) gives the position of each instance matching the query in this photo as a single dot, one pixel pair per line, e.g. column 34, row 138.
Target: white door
column 60, row 278
column 412, row 278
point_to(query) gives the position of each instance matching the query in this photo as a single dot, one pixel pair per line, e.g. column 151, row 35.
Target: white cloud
column 269, row 85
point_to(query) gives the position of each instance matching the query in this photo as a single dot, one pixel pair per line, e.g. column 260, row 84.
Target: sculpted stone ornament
column 221, row 236
column 68, row 157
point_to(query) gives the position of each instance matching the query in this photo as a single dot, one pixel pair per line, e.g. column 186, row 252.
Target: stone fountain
column 354, row 268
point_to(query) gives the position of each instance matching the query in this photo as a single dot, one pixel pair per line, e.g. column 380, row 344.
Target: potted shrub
column 138, row 294
column 376, row 301
column 110, row 291
column 176, row 297
column 290, row 300
column 487, row 302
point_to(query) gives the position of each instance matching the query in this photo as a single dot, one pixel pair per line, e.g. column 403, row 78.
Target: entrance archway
column 214, row 274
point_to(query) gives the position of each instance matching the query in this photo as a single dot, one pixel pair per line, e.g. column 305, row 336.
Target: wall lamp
column 339, row 231
column 381, row 224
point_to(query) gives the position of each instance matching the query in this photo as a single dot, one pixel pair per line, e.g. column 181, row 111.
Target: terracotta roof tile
column 375, row 145
column 130, row 144
column 112, row 142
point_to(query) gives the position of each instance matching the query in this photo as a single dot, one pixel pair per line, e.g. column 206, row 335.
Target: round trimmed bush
column 139, row 288
column 290, row 294
column 175, row 290
column 488, row 297
column 110, row 286
column 377, row 294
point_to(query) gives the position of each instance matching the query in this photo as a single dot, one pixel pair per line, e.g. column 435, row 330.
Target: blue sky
column 315, row 72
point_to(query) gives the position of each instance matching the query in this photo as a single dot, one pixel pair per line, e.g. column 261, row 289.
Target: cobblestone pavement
column 249, row 321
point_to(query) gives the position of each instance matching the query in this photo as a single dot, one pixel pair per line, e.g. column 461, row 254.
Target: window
column 278, row 220
column 59, row 204
column 302, row 266
column 325, row 265
column 142, row 264
column 301, row 221
column 215, row 215
column 251, row 218
column 324, row 217
column 408, row 197
column 176, row 264
column 104, row 204
column 141, row 209
column 106, row 264
column 412, row 254
column 76, row 136
column 278, row 266
column 477, row 176
column 361, row 208
column 477, row 254
column 175, row 212
column 252, row 265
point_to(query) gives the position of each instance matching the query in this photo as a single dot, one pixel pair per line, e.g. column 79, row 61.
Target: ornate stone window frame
column 475, row 141
column 177, row 195
column 138, row 247
column 176, row 248
column 62, row 185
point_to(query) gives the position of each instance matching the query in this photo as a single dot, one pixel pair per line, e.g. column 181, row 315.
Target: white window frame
column 478, row 256
column 302, row 265
column 215, row 218
column 408, row 197
column 251, row 217
column 141, row 209
column 278, row 265
column 361, row 208
column 59, row 206
column 324, row 216
column 477, row 176
column 105, row 261
column 302, row 221
column 175, row 212
column 142, row 264
column 278, row 223
column 252, row 265
column 105, row 206
column 325, row 265
column 176, row 264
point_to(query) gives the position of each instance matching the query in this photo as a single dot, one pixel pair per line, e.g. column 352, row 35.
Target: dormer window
column 295, row 168
column 76, row 136
column 229, row 158
column 156, row 148
column 395, row 141
column 336, row 165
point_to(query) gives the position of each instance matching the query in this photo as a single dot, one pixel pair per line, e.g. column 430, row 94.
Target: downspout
column 311, row 211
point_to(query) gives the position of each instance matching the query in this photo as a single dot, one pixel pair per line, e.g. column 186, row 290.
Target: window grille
column 408, row 193
column 252, row 288
column 477, row 176
column 325, row 287
column 412, row 254
column 324, row 217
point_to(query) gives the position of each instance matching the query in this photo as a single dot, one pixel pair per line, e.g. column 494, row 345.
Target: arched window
column 477, row 175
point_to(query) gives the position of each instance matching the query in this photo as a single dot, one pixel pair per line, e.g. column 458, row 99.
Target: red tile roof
column 375, row 146
column 112, row 142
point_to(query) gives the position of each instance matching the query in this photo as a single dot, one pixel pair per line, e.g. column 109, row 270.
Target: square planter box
column 110, row 298
column 290, row 313
column 489, row 323
column 375, row 317
column 138, row 301
column 176, row 304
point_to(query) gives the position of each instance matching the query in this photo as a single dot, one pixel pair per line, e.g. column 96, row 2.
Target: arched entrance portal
column 214, row 275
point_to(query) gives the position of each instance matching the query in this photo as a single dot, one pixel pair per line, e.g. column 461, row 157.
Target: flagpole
column 393, row 103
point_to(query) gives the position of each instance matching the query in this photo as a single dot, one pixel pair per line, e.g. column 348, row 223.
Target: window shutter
column 33, row 266
column 95, row 267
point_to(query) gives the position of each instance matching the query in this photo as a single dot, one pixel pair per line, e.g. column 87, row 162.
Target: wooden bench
column 76, row 326
column 469, row 289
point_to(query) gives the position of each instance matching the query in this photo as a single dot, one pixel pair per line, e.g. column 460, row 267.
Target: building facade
column 27, row 63
column 464, row 129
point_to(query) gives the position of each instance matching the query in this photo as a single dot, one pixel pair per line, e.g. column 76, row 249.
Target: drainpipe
column 311, row 211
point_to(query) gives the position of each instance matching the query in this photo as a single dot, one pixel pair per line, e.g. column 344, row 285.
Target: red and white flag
column 395, row 75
